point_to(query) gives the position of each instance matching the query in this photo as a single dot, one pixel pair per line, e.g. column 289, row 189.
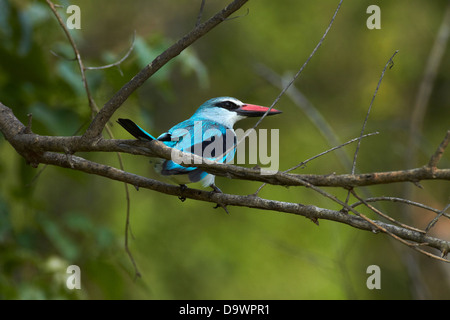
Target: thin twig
column 381, row 214
column 389, row 63
column 301, row 164
column 406, row 201
column 200, row 13
column 433, row 222
column 61, row 57
column 283, row 91
column 434, row 160
column 329, row 150
column 94, row 111
column 414, row 245
column 308, row 109
column 370, row 108
column 296, row 75
column 115, row 64
column 241, row 16
column 92, row 105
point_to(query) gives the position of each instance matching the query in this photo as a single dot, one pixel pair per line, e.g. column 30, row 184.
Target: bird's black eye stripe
column 227, row 105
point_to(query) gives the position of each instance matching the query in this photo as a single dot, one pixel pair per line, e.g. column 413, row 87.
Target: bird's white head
column 227, row 111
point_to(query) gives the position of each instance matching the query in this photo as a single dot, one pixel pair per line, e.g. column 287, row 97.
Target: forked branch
column 59, row 151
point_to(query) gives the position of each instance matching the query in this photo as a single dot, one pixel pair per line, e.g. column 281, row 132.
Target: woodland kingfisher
column 208, row 133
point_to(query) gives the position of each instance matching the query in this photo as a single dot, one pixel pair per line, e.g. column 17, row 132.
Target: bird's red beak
column 253, row 110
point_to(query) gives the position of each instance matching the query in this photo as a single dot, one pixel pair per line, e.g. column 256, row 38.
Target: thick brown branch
column 308, row 211
column 74, row 144
column 30, row 144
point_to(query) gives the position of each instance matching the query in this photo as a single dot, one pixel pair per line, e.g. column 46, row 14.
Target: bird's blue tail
column 135, row 130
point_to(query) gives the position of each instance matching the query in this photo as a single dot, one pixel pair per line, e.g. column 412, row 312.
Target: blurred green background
column 51, row 218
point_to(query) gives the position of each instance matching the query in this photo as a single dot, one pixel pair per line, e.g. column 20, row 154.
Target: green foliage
column 51, row 218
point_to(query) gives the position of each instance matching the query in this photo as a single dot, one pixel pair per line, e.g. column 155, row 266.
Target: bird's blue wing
column 219, row 143
column 207, row 139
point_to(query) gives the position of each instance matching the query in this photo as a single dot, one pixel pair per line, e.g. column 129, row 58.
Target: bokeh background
column 51, row 218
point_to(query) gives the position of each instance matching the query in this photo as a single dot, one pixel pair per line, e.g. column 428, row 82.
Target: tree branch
column 41, row 149
column 58, row 151
column 95, row 129
column 309, row 211
column 30, row 144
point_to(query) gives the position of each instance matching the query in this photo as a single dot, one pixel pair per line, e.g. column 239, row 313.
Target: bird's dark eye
column 227, row 105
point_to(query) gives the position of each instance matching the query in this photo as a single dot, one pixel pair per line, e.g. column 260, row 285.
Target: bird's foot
column 183, row 187
column 216, row 188
column 223, row 206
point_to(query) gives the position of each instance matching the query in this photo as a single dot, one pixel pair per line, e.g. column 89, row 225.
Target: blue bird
column 208, row 133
